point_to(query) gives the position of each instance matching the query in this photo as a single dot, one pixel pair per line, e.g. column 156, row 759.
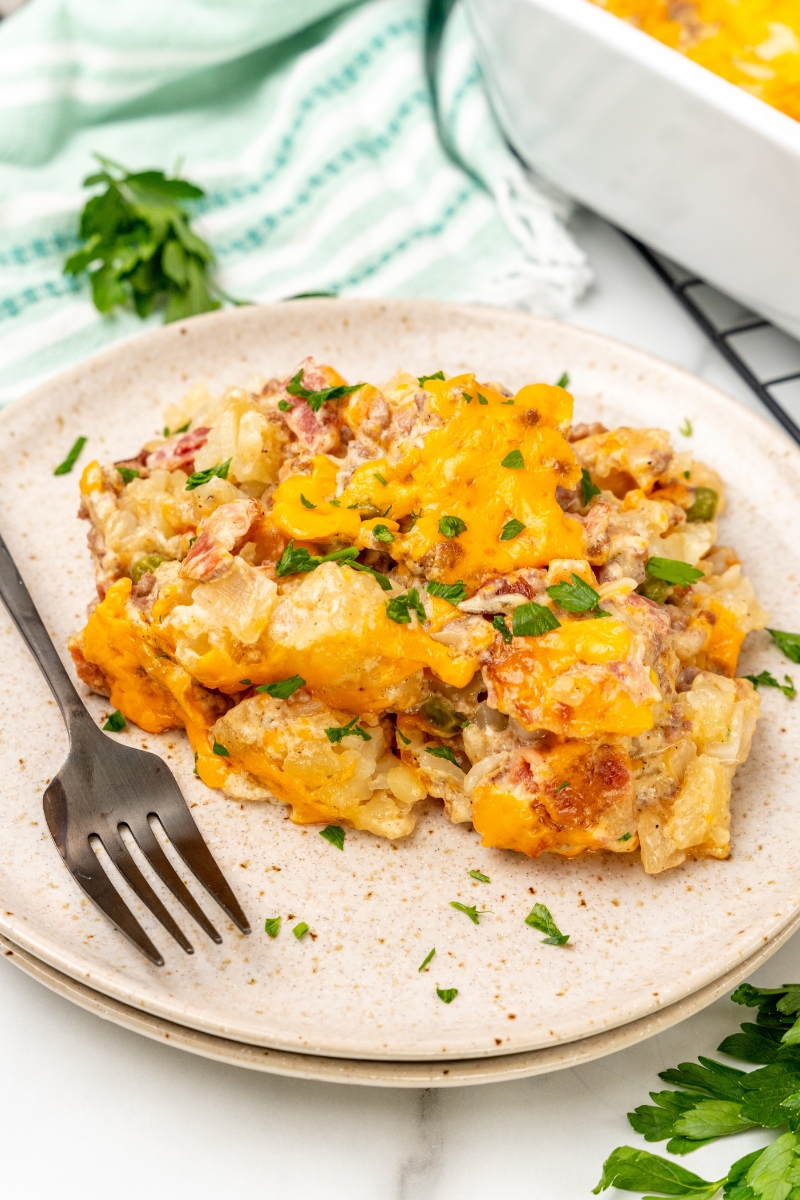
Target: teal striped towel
column 311, row 127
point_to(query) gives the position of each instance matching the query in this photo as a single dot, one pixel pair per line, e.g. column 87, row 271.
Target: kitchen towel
column 329, row 161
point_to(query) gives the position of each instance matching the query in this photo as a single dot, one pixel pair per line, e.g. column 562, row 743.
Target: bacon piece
column 221, row 536
column 317, row 432
column 178, row 452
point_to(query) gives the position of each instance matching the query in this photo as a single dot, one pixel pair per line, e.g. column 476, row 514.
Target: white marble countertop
column 81, row 1099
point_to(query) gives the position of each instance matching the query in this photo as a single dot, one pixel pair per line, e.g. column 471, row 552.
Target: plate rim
column 154, row 338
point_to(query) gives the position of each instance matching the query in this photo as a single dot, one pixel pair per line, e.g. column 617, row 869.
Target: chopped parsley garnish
column 626, row 837
column 335, row 503
column 282, row 689
column 128, row 474
column 382, row 534
column 532, row 620
column 379, row 478
column 442, row 752
column 511, row 529
column 296, row 559
column 333, row 834
column 315, row 400
column 513, row 460
column 454, row 592
column 499, row 623
column 415, row 516
column 246, row 682
column 423, row 379
column 220, row 471
column 285, row 406
column 469, row 910
column 306, row 503
column 787, row 643
column 351, row 729
column 66, row 466
column 539, row 918
column 563, row 785
column 563, row 381
column 116, row 722
column 400, row 608
column 506, row 401
column 300, row 930
column 686, row 427
column 588, row 489
column 196, row 756
column 271, row 926
column 181, row 429
column 447, row 995
column 767, row 680
column 406, row 741
column 467, row 397
column 451, row 527
column 220, row 750
column 575, row 597
column 673, row 571
column 480, row 877
column 482, row 399
column 426, row 959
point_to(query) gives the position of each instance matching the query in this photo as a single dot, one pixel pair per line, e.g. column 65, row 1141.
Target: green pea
column 441, row 716
column 654, row 589
column 143, row 565
column 704, row 506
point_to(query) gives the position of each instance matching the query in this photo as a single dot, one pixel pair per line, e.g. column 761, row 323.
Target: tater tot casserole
column 355, row 597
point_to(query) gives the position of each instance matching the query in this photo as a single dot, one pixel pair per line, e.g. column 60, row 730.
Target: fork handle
column 17, row 600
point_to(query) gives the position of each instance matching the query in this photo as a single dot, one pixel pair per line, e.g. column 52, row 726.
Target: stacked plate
column 350, row 1003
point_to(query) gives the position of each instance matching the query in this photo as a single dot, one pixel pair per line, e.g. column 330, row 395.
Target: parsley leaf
column 128, row 474
column 511, row 529
column 300, row 930
column 306, row 503
column 673, row 571
column 467, row 397
column 626, row 837
column 406, row 741
column 382, row 533
column 539, row 918
column 285, row 406
column 423, row 379
column 482, row 399
column 447, row 995
column 686, row 427
column 469, row 910
column 499, row 623
column 426, row 959
column 575, row 597
column 588, row 489
column 271, row 926
column 787, row 643
column 767, row 680
column 116, row 722
column 379, row 478
column 451, row 527
column 480, row 878
column 399, row 609
column 513, row 460
column 442, row 752
column 315, row 400
column 66, row 466
column 385, row 583
column 196, row 480
column 532, row 620
column 563, row 381
column 639, row 1171
column 333, row 834
column 454, row 592
column 351, row 729
column 296, row 559
column 415, row 516
column 561, row 786
column 138, row 246
column 220, row 750
column 282, row 689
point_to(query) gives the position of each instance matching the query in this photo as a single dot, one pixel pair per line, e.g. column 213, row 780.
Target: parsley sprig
column 470, row 910
column 714, row 1100
column 787, row 643
column 673, row 571
column 454, row 592
column 296, row 560
column 220, row 471
column 315, row 400
column 540, row 918
column 138, row 245
column 400, row 608
column 765, row 679
column 351, row 729
column 575, row 597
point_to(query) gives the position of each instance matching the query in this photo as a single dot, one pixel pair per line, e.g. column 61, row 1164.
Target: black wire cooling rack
column 767, row 359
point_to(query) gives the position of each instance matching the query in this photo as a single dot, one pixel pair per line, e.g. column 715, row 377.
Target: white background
column 90, row 1109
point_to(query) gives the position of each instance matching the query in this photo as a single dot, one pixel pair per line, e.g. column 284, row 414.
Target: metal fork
column 105, row 787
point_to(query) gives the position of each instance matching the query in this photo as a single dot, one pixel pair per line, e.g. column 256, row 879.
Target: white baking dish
column 684, row 160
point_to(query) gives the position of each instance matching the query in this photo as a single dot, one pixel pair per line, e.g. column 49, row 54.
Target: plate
column 371, row 1073
column 638, row 943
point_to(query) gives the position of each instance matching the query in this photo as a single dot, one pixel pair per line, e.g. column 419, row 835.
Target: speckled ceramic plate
column 353, row 991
